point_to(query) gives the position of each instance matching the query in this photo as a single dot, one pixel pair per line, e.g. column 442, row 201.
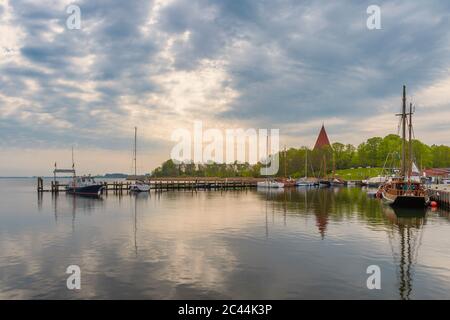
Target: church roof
column 322, row 139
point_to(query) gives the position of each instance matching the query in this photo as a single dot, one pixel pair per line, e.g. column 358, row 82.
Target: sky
column 161, row 65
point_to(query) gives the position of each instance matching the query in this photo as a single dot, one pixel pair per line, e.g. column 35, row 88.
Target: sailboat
column 304, row 182
column 269, row 183
column 137, row 186
column 403, row 191
column 287, row 182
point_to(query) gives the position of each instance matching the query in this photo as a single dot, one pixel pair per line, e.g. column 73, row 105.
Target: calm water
column 210, row 244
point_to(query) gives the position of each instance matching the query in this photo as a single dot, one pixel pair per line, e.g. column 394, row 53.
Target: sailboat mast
column 135, row 142
column 267, row 153
column 285, row 162
column 306, row 163
column 410, row 141
column 73, row 163
column 404, row 132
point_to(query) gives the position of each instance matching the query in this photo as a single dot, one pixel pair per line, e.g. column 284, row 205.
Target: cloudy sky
column 159, row 65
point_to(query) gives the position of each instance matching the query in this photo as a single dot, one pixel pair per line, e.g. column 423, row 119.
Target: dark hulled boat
column 85, row 185
column 403, row 191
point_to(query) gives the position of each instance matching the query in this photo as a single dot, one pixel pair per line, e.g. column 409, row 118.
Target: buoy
column 433, row 204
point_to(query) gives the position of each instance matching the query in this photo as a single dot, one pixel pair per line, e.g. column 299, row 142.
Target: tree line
column 375, row 152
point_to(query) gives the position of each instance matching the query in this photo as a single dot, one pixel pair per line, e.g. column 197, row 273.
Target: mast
column 410, row 141
column 73, row 163
column 285, row 162
column 306, row 163
column 135, row 140
column 267, row 154
column 404, row 132
column 334, row 166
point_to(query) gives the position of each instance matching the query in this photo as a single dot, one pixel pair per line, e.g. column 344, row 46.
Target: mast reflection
column 407, row 226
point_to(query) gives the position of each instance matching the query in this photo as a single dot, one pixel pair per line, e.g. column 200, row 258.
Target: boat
column 375, row 181
column 287, row 182
column 269, row 184
column 305, row 182
column 85, row 185
column 336, row 182
column 403, row 191
column 324, row 183
column 351, row 183
column 138, row 185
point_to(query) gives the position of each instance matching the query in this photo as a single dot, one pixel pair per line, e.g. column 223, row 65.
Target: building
column 322, row 139
column 437, row 175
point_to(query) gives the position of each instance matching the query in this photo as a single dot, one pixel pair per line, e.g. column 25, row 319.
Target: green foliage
column 372, row 153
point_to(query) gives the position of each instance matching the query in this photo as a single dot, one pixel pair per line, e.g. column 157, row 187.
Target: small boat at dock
column 270, row 184
column 137, row 186
column 85, row 185
column 403, row 191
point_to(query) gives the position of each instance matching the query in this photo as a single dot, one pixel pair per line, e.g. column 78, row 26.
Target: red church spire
column 322, row 139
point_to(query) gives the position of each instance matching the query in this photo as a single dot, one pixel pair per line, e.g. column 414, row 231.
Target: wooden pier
column 441, row 194
column 158, row 184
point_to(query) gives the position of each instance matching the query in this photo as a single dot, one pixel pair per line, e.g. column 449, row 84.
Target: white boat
column 140, row 186
column 270, row 184
column 375, row 181
column 304, row 182
column 137, row 186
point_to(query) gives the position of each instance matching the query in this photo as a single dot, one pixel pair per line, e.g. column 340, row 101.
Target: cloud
column 161, row 64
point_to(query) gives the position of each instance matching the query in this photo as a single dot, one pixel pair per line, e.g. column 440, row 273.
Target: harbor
column 224, row 156
column 241, row 243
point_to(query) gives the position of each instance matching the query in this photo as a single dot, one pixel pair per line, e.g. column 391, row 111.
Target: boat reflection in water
column 405, row 237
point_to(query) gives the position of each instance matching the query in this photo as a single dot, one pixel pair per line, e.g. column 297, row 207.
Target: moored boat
column 404, row 191
column 85, row 185
column 324, row 183
column 270, row 184
column 137, row 186
column 140, row 186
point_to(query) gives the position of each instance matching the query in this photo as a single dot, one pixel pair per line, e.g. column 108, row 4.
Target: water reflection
column 322, row 202
column 405, row 238
column 299, row 243
column 404, row 226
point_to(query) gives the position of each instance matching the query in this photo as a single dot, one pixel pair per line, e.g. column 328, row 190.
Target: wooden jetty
column 178, row 183
column 198, row 182
column 441, row 194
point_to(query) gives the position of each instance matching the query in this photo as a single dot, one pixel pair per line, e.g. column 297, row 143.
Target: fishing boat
column 137, row 186
column 403, row 191
column 84, row 185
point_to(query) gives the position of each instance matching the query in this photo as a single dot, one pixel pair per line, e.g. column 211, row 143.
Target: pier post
column 40, row 184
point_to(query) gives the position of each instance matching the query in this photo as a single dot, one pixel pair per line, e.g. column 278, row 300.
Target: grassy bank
column 358, row 173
